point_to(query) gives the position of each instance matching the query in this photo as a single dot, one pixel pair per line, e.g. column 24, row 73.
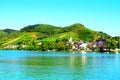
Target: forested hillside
column 78, row 31
column 33, row 34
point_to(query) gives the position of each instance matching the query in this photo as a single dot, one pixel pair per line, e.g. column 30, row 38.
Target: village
column 87, row 46
column 76, row 45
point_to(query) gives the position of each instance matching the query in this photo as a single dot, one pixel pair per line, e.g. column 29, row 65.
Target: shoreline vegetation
column 45, row 37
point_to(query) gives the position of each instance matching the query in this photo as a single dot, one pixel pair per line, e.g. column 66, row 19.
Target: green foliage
column 86, row 35
column 74, row 27
column 44, row 46
column 3, row 34
column 42, row 28
column 52, row 37
column 51, row 45
column 9, row 30
column 104, row 35
column 60, row 46
column 110, row 44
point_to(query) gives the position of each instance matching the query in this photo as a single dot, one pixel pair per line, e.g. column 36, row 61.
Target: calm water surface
column 34, row 65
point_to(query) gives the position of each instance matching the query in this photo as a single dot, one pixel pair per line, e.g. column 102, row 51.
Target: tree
column 110, row 44
column 44, row 46
column 51, row 45
column 68, row 47
column 60, row 46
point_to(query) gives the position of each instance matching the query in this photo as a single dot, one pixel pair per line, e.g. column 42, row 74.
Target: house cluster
column 14, row 46
column 80, row 45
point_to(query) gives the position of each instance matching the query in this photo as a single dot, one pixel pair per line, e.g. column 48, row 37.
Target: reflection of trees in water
column 78, row 64
column 77, row 60
column 46, row 61
column 35, row 61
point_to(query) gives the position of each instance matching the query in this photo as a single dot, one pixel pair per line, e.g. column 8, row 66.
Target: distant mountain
column 9, row 30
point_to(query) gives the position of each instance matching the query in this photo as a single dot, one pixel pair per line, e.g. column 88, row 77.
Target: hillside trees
column 53, row 37
column 110, row 44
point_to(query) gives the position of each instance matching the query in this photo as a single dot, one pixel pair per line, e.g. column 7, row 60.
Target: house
column 100, row 44
column 40, row 43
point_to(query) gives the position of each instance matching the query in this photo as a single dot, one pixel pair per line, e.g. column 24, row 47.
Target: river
column 36, row 65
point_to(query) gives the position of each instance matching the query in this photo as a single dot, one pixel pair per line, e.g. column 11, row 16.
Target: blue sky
column 98, row 15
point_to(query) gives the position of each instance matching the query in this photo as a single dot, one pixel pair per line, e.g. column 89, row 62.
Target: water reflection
column 77, row 60
column 59, row 66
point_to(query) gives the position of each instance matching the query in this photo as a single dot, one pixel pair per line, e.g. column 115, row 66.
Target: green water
column 34, row 65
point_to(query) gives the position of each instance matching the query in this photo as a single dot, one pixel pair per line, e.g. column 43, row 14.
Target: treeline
column 57, row 45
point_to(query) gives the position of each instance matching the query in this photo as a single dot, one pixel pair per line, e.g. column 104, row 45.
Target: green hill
column 82, row 32
column 42, row 28
column 20, row 38
column 77, row 31
column 104, row 35
column 9, row 30
column 2, row 33
column 50, row 32
column 46, row 32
